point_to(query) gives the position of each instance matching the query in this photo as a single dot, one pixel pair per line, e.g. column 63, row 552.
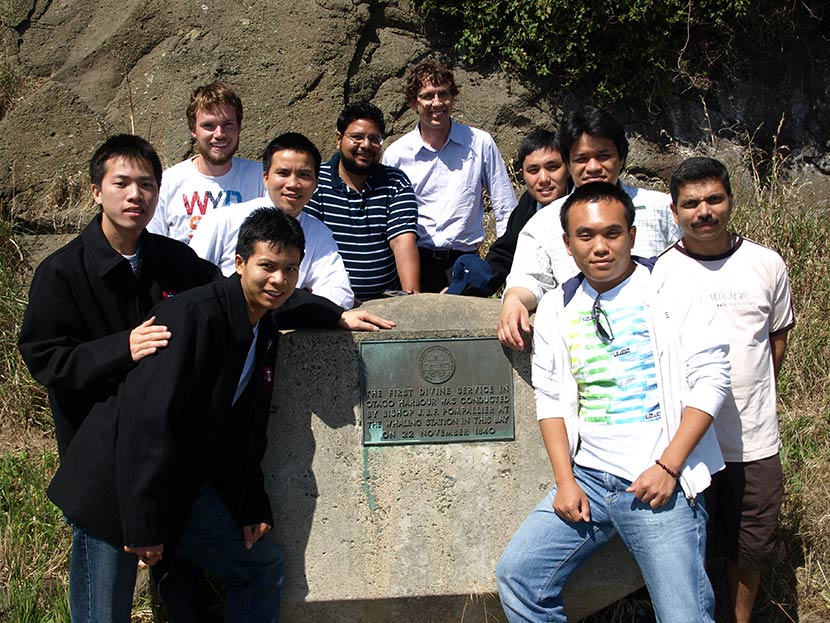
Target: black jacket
column 133, row 470
column 83, row 302
column 500, row 255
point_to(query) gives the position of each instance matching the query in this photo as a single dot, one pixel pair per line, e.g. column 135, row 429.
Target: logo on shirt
column 267, row 379
column 203, row 200
column 166, row 294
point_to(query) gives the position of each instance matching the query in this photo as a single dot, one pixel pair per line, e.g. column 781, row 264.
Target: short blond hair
column 210, row 96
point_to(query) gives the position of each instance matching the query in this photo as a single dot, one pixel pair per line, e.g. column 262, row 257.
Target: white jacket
column 691, row 363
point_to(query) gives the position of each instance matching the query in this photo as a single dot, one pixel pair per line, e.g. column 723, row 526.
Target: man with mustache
column 748, row 284
column 214, row 178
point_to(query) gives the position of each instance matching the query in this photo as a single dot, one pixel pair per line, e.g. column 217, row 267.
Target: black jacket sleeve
column 55, row 341
column 305, row 310
column 501, row 253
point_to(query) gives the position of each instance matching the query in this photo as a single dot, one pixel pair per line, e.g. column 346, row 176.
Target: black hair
column 539, row 139
column 594, row 192
column 697, row 169
column 270, row 225
column 292, row 141
column 361, row 110
column 596, row 122
column 126, row 146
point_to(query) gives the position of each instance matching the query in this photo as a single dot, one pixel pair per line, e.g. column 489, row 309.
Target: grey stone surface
column 412, row 532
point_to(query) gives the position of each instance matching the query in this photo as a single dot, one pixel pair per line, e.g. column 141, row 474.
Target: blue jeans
column 212, row 539
column 101, row 580
column 668, row 544
column 102, row 576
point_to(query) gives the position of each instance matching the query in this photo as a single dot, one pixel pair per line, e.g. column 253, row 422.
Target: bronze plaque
column 435, row 391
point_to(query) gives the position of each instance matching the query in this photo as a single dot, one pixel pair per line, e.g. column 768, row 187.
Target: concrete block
column 410, row 532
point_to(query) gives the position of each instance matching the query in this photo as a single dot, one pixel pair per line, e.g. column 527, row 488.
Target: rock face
column 104, row 67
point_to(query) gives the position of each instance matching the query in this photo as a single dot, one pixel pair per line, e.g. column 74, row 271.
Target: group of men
column 160, row 370
column 393, row 225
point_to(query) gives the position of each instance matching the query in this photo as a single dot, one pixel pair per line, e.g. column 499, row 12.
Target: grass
column 22, row 401
column 35, row 544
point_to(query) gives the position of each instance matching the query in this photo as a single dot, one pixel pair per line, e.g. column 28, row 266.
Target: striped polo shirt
column 364, row 223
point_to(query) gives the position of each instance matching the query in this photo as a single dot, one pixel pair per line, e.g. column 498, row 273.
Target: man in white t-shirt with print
column 627, row 384
column 214, row 178
column 749, row 286
column 290, row 172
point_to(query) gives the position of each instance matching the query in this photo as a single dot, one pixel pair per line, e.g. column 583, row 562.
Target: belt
column 442, row 254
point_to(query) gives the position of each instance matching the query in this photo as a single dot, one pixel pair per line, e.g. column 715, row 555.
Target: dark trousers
column 436, row 268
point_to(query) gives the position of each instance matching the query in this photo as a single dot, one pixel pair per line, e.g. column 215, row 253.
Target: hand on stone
column 514, row 319
column 571, row 503
column 147, row 338
column 654, row 486
column 362, row 320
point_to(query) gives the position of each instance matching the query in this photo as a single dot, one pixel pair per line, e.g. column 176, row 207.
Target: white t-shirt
column 750, row 288
column 322, row 270
column 186, row 195
column 620, row 423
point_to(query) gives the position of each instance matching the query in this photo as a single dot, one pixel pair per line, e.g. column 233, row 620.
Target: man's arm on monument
column 305, row 310
column 407, row 261
column 514, row 317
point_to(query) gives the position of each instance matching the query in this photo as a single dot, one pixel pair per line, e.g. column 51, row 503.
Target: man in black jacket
column 172, row 462
column 83, row 328
column 545, row 175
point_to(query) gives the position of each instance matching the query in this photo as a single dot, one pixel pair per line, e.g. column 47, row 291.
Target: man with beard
column 212, row 178
column 369, row 207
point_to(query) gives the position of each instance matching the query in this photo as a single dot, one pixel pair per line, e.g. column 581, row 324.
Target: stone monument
column 401, row 462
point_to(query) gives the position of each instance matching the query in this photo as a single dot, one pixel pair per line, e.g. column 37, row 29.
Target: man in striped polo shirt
column 370, row 207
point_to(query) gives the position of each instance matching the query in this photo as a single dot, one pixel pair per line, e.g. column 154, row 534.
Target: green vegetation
column 35, row 543
column 22, row 400
column 621, row 49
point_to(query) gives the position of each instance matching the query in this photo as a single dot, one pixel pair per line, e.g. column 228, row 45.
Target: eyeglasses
column 598, row 314
column 357, row 138
column 427, row 97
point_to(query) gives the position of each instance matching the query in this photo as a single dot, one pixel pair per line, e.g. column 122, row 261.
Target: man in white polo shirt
column 290, row 170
